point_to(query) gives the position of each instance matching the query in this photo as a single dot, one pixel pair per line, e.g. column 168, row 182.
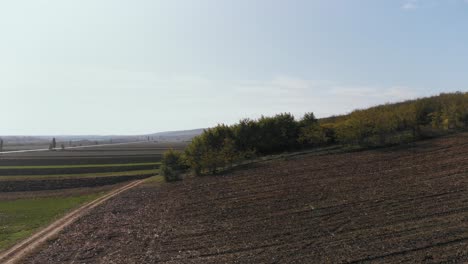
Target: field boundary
column 21, row 249
column 77, row 147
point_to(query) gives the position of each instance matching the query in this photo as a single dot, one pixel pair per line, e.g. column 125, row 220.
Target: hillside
column 379, row 126
column 181, row 135
column 402, row 204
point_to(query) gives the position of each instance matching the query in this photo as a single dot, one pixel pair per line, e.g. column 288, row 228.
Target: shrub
column 173, row 165
column 212, row 150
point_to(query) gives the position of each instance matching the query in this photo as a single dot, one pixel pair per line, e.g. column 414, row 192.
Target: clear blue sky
column 135, row 66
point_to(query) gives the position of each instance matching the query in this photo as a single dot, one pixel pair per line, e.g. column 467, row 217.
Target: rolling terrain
column 402, row 204
column 41, row 186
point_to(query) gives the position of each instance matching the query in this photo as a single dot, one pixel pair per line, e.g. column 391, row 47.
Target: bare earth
column 393, row 205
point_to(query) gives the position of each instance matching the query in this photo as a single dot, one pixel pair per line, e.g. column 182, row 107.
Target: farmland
column 24, row 216
column 80, row 167
column 400, row 204
column 38, row 187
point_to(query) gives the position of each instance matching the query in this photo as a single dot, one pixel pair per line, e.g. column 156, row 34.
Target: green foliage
column 308, row 120
column 384, row 124
column 20, row 218
column 173, row 165
column 215, row 148
column 276, row 134
column 222, row 146
column 246, row 135
column 388, row 124
column 311, row 136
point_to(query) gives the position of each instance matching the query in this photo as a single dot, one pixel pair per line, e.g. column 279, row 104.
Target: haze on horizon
column 137, row 67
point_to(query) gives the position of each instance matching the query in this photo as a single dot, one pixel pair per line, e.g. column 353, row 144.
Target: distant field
column 119, row 149
column 71, row 177
column 76, row 170
column 34, row 185
column 79, row 175
column 77, row 166
column 20, row 218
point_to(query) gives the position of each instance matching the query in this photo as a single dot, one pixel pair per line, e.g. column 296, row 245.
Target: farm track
column 395, row 205
column 17, row 252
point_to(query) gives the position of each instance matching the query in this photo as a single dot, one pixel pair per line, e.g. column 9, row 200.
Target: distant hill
column 182, row 135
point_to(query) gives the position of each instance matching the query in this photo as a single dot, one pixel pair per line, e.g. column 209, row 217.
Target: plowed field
column 406, row 204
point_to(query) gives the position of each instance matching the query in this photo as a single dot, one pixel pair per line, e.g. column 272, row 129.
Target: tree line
column 389, row 124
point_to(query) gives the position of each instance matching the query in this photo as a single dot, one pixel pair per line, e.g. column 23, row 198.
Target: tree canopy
column 382, row 125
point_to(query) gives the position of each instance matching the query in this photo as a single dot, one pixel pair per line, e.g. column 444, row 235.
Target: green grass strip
column 78, row 166
column 79, row 175
column 20, row 218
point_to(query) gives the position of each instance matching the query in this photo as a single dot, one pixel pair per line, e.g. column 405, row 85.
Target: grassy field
column 155, row 179
column 20, row 218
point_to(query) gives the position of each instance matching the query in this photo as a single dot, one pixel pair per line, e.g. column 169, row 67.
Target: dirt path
column 14, row 254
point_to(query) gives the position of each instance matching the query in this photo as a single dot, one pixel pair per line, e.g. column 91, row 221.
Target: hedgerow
column 222, row 146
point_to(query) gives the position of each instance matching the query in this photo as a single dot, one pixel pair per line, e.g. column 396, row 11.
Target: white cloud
column 410, row 5
column 290, row 94
column 102, row 100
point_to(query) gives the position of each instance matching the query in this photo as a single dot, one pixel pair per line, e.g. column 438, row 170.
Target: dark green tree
column 308, row 120
column 173, row 165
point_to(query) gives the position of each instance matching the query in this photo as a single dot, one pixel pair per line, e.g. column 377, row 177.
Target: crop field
column 80, row 167
column 128, row 153
column 404, row 204
column 21, row 217
column 38, row 187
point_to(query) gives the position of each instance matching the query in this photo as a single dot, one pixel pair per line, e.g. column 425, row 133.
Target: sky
column 143, row 66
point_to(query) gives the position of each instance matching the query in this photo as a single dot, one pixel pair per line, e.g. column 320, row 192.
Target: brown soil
column 392, row 205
